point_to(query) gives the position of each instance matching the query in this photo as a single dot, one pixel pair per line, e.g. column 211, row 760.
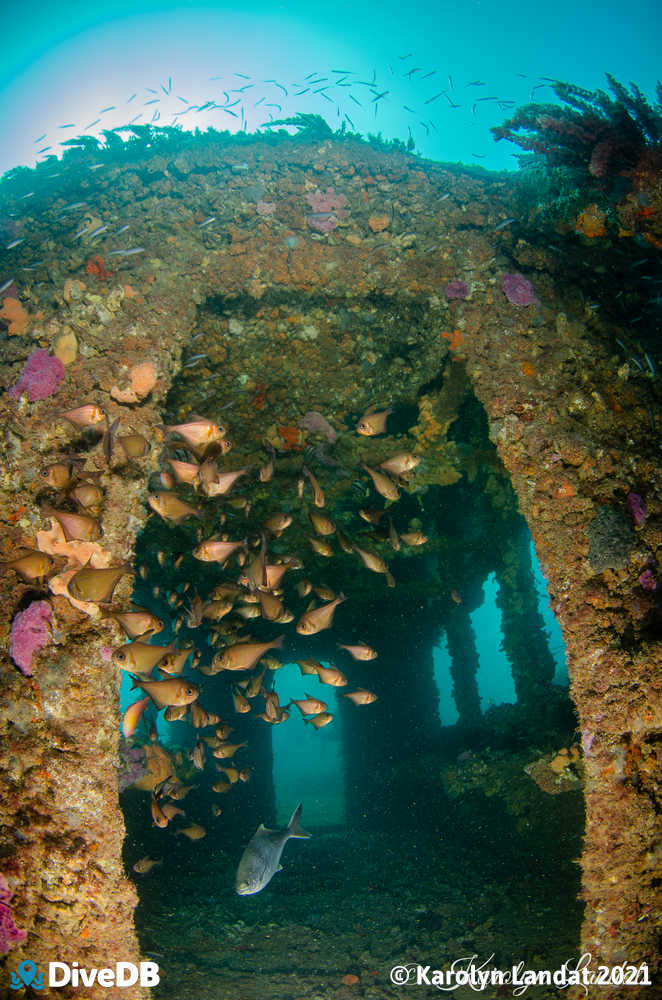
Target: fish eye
column 121, row 655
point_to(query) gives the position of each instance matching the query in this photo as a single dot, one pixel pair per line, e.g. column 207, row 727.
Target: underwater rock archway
column 341, row 307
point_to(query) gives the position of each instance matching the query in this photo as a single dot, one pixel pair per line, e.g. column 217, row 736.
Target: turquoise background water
column 65, row 62
column 309, row 764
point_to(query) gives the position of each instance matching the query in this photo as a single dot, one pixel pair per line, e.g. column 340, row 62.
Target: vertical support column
column 405, row 714
column 464, row 664
column 524, row 639
column 62, row 826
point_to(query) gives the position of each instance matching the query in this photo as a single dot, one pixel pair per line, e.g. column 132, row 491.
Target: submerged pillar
column 572, row 459
column 406, row 713
column 61, row 825
column 464, row 664
column 524, row 639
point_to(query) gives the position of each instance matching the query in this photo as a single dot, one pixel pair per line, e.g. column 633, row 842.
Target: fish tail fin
column 136, row 682
column 278, row 643
column 293, row 828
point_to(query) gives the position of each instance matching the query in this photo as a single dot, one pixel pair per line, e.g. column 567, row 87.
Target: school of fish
column 251, row 585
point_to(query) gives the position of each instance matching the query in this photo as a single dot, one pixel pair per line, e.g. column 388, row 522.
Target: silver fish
column 261, row 858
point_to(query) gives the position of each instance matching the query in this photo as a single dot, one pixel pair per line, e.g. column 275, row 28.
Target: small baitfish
column 261, row 858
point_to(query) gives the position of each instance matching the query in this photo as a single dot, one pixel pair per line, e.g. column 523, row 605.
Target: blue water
column 494, row 676
column 72, row 68
column 308, row 763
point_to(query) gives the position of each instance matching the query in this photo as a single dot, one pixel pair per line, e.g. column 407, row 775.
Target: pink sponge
column 41, row 376
column 9, row 932
column 30, row 631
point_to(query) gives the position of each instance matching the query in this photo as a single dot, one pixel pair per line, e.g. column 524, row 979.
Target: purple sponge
column 41, row 376
column 9, row 932
column 518, row 289
column 30, row 631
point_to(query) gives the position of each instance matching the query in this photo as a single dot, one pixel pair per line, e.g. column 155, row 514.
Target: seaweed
column 308, row 126
column 140, row 141
column 600, row 134
column 390, row 145
column 85, row 142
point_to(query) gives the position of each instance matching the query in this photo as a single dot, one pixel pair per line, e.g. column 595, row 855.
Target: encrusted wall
column 574, row 435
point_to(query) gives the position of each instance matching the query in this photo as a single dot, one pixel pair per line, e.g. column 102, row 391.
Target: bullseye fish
column 277, row 524
column 244, row 655
column 132, row 716
column 170, row 507
column 96, row 585
column 373, row 423
column 134, row 445
column 75, row 527
column 170, row 692
column 184, row 472
column 198, row 432
column 309, row 666
column 384, row 486
column 318, row 618
column 321, row 720
column 136, row 623
column 331, row 675
column 361, row 696
column 318, row 493
column 216, row 550
column 414, row 538
column 60, row 475
column 193, row 832
column 400, row 463
column 321, row 547
column 173, row 662
column 261, row 858
column 373, row 562
column 322, row 525
column 139, row 657
column 88, row 496
column 85, row 416
column 32, row 566
column 145, row 865
column 360, row 651
column 309, row 705
column 223, row 482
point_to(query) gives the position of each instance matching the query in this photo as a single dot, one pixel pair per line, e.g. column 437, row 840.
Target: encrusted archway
column 304, row 243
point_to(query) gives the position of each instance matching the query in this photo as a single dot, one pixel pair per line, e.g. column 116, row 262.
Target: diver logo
column 27, row 974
